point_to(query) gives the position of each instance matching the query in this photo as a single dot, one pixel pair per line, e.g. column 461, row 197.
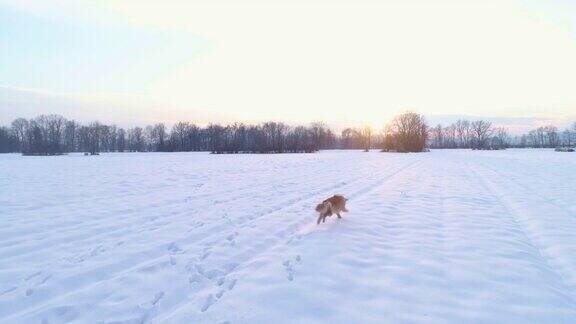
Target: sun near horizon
column 343, row 62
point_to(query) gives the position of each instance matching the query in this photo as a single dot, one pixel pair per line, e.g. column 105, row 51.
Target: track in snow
column 446, row 236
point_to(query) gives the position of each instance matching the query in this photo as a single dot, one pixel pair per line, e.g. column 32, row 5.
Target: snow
column 447, row 236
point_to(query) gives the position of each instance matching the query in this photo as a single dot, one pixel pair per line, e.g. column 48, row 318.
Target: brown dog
column 332, row 205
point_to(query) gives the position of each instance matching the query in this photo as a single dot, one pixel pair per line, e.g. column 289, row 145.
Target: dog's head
column 341, row 201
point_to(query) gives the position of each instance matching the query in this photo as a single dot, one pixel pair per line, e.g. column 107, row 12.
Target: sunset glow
column 344, row 62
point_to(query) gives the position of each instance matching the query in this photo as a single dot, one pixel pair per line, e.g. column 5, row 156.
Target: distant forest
column 483, row 135
column 408, row 132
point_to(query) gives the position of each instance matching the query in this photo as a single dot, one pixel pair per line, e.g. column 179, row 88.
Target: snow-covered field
column 446, row 236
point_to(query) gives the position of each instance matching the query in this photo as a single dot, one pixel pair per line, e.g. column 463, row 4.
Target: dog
column 333, row 205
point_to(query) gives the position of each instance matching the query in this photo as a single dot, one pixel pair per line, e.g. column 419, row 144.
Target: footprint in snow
column 97, row 250
column 157, row 297
column 34, row 280
column 199, row 269
column 290, row 267
column 174, row 248
column 231, row 238
column 210, row 274
column 209, row 301
column 205, row 254
column 231, row 284
column 194, row 278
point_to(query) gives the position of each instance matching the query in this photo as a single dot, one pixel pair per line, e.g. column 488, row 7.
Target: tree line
column 548, row 137
column 477, row 135
column 482, row 134
column 54, row 135
column 407, row 132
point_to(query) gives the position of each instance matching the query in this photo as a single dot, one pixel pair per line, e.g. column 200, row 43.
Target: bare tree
column 450, row 136
column 318, row 130
column 541, row 136
column 552, row 137
column 179, row 135
column 155, row 137
column 19, row 127
column 388, row 139
column 8, row 140
column 90, row 137
column 300, row 140
column 121, row 140
column 569, row 137
column 216, row 134
column 501, row 138
column 437, row 136
column 367, row 137
column 481, row 131
column 112, row 138
column 572, row 134
column 55, row 131
column 53, row 134
column 105, row 138
column 71, row 136
column 136, row 141
column 463, row 133
column 42, row 135
column 410, row 132
column 351, row 138
column 533, row 138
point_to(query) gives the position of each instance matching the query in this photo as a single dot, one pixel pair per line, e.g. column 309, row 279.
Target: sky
column 346, row 62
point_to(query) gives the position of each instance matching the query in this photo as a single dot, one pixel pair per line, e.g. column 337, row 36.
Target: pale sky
column 342, row 61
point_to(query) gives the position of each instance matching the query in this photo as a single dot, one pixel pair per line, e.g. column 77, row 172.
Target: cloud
column 128, row 110
column 356, row 61
column 118, row 108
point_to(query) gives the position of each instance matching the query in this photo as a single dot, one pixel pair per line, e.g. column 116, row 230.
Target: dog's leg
column 324, row 219
column 319, row 219
column 338, row 215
